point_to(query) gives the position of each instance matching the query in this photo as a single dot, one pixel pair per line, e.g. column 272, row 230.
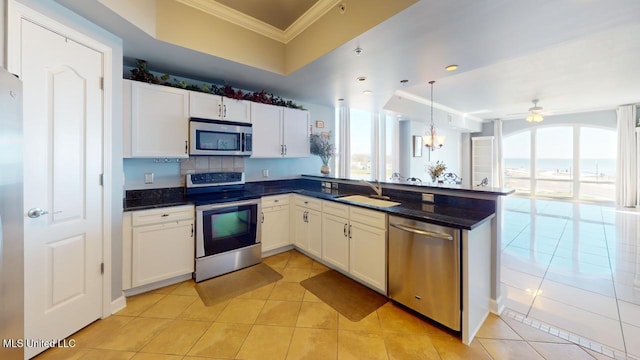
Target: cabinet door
column 236, row 110
column 159, row 121
column 162, row 251
column 300, row 229
column 368, row 255
column 314, row 232
column 205, row 106
column 335, row 241
column 295, row 130
column 267, row 131
column 275, row 227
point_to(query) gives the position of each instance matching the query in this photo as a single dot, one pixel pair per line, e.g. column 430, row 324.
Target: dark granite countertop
column 462, row 213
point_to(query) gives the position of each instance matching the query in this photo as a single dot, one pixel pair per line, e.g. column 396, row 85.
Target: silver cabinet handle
column 432, row 234
column 224, row 114
column 186, row 146
column 285, row 149
column 262, row 221
column 349, row 231
column 219, row 110
column 344, row 231
column 36, row 213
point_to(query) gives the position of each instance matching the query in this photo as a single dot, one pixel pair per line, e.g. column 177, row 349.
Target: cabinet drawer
column 336, row 209
column 275, row 200
column 308, row 202
column 167, row 214
column 368, row 217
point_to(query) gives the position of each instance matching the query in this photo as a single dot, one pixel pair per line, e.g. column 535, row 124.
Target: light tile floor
column 284, row 321
column 576, row 268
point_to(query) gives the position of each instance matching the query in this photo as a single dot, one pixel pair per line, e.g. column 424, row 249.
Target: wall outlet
column 427, row 197
column 265, row 173
column 148, row 178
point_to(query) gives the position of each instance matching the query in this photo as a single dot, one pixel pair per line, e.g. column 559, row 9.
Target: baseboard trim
column 496, row 306
column 118, row 304
column 157, row 285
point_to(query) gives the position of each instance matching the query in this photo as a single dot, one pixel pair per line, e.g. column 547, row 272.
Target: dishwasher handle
column 437, row 235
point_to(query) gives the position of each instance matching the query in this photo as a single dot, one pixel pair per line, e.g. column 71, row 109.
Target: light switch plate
column 148, row 178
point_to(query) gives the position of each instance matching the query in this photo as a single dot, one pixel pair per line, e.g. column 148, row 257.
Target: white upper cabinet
column 295, row 131
column 155, row 120
column 279, row 132
column 209, row 106
column 267, row 134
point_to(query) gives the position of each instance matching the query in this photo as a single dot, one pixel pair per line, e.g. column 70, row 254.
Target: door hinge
column 101, row 268
column 101, row 179
column 102, row 83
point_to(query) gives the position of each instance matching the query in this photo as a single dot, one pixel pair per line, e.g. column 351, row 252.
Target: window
column 576, row 162
column 372, row 149
column 554, row 162
column 360, row 144
column 517, row 162
column 597, row 164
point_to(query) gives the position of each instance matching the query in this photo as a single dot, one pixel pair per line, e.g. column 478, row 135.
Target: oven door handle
column 227, row 204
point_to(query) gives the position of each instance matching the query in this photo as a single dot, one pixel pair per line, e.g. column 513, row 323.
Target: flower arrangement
column 143, row 74
column 436, row 169
column 321, row 145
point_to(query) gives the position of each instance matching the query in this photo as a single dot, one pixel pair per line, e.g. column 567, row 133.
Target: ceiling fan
column 534, row 114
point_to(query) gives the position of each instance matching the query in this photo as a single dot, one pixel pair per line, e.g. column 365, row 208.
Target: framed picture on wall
column 417, row 146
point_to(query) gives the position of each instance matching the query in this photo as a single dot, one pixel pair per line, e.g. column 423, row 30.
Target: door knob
column 36, row 212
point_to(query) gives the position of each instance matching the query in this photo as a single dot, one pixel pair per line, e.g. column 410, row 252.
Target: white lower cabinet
column 158, row 244
column 335, row 234
column 368, row 247
column 355, row 240
column 275, row 222
column 307, row 224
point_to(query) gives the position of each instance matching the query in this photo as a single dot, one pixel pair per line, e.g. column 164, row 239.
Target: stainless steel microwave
column 214, row 137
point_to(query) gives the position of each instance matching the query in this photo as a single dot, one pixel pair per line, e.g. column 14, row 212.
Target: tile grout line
column 615, row 293
column 574, row 338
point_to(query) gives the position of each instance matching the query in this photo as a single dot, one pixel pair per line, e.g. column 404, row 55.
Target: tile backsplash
column 201, row 164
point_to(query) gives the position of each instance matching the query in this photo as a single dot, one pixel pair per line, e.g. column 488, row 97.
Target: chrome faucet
column 377, row 189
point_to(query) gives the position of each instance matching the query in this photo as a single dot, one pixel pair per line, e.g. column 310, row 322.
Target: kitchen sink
column 369, row 201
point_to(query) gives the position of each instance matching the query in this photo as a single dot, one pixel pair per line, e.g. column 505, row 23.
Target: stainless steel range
column 227, row 225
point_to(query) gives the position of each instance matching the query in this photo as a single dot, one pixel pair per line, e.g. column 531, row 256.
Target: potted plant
column 436, row 169
column 321, row 146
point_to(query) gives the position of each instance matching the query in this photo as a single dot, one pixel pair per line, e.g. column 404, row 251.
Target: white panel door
column 62, row 164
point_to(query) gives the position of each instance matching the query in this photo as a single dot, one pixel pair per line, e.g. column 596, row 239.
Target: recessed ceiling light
column 367, row 92
column 404, row 82
column 452, row 67
column 361, row 78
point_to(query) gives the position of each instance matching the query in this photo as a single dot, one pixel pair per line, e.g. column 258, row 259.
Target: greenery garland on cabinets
column 142, row 73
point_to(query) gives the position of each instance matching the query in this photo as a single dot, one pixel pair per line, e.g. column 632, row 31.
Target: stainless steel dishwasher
column 424, row 269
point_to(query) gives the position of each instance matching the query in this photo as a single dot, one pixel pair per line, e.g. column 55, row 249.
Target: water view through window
column 561, row 169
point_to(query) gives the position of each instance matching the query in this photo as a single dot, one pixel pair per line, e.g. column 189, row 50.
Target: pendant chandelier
column 431, row 140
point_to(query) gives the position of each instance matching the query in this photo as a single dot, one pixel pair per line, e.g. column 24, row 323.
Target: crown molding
column 250, row 23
